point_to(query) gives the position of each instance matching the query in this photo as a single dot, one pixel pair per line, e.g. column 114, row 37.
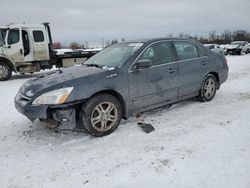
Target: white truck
column 27, row 48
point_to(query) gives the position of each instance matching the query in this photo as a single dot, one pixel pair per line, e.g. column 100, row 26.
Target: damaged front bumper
column 233, row 51
column 61, row 113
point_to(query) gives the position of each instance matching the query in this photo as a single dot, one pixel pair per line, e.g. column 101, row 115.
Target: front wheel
column 208, row 88
column 5, row 71
column 101, row 114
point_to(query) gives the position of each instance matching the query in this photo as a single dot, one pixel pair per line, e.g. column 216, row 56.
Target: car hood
column 66, row 77
column 232, row 46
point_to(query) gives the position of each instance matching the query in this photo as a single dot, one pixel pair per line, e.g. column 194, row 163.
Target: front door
column 14, row 46
column 158, row 83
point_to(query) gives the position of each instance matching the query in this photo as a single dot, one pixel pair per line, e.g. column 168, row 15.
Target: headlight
column 58, row 96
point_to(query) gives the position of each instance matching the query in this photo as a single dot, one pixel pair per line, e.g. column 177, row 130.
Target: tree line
column 225, row 37
column 218, row 38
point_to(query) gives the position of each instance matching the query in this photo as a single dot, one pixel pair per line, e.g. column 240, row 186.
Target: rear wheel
column 208, row 88
column 5, row 71
column 101, row 114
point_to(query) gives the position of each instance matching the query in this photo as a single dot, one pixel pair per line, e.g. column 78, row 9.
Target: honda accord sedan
column 121, row 80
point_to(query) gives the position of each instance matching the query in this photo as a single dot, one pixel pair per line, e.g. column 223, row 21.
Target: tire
column 208, row 88
column 101, row 114
column 240, row 52
column 5, row 71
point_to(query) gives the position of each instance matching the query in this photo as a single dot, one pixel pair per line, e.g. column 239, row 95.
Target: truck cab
column 27, row 48
column 24, row 46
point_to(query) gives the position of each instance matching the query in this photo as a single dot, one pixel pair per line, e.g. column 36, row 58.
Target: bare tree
column 74, row 45
column 212, row 36
column 86, row 44
column 240, row 35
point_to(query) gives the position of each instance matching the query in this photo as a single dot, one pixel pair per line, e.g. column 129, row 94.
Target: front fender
column 8, row 61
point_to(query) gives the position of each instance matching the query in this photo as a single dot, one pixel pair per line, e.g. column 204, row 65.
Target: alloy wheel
column 210, row 88
column 3, row 71
column 104, row 116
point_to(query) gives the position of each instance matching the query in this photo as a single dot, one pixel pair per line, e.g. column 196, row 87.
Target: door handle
column 203, row 62
column 21, row 51
column 171, row 70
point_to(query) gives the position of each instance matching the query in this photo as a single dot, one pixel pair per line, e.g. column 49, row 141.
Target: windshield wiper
column 93, row 65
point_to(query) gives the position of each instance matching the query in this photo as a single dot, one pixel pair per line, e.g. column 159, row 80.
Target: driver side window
column 159, row 53
column 148, row 54
column 13, row 36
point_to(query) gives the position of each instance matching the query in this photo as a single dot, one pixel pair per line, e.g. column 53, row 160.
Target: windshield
column 114, row 56
column 1, row 38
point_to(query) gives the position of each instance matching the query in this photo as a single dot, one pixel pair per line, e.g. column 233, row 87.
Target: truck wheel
column 101, row 114
column 208, row 88
column 5, row 71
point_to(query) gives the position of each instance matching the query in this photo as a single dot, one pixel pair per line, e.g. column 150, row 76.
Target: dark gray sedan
column 123, row 79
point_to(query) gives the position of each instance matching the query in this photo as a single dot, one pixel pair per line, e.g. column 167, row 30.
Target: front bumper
column 233, row 51
column 24, row 106
column 60, row 113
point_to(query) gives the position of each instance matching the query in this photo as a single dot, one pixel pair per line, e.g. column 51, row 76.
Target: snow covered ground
column 194, row 145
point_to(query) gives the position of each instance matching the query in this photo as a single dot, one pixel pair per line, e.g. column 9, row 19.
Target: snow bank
column 194, row 145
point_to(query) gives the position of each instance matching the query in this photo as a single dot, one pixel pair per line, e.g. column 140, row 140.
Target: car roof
column 150, row 40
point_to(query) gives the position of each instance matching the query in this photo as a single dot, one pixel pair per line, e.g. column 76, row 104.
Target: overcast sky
column 92, row 20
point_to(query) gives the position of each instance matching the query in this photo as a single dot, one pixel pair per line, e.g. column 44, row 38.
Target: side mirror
column 6, row 46
column 143, row 63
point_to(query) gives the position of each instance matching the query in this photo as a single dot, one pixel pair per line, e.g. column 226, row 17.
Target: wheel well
column 217, row 78
column 118, row 96
column 7, row 62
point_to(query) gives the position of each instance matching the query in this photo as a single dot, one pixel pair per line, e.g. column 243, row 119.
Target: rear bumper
column 223, row 77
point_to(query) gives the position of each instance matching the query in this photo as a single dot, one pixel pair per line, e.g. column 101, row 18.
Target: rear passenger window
column 159, row 53
column 38, row 36
column 13, row 36
column 186, row 50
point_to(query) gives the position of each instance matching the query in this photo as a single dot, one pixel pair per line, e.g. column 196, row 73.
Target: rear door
column 191, row 67
column 41, row 47
column 158, row 83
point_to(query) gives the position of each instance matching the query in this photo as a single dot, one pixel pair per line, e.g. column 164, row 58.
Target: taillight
column 225, row 61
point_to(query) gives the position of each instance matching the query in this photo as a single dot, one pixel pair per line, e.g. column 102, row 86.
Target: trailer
column 27, row 48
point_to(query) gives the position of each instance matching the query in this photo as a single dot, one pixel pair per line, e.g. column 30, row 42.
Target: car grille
column 24, row 98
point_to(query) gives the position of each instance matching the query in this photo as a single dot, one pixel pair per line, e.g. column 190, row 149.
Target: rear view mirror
column 143, row 63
